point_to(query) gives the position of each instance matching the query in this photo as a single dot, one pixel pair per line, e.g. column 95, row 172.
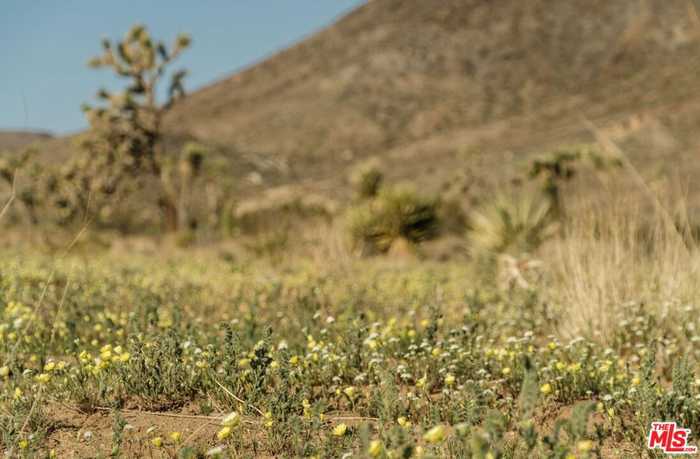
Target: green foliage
column 655, row 404
column 560, row 166
column 300, row 352
column 367, row 179
column 11, row 165
column 512, row 224
column 397, row 212
column 192, row 159
column 179, row 176
column 117, row 434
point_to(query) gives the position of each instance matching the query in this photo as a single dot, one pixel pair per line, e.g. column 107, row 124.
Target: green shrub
column 511, row 224
column 560, row 166
column 395, row 213
column 367, row 179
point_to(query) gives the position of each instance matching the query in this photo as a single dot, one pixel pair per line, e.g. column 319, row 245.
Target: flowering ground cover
column 137, row 358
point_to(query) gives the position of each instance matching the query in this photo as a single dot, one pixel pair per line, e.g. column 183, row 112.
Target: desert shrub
column 512, row 224
column 452, row 215
column 12, row 165
column 367, row 179
column 281, row 208
column 560, row 166
column 179, row 176
column 617, row 253
column 398, row 212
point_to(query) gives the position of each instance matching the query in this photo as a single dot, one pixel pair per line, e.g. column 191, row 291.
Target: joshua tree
column 125, row 136
column 560, row 166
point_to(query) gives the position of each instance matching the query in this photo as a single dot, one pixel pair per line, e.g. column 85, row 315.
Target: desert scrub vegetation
column 407, row 360
column 564, row 335
column 125, row 136
column 193, row 353
column 513, row 223
column 553, row 170
column 622, row 254
column 367, row 178
column 395, row 214
column 122, row 157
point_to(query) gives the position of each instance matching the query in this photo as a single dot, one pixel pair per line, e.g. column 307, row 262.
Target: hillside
column 436, row 86
column 12, row 140
column 453, row 90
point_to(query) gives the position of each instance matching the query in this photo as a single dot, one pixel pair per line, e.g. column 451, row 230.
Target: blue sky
column 45, row 44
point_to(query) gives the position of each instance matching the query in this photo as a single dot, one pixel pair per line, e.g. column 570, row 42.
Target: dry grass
column 11, row 198
column 329, row 244
column 617, row 253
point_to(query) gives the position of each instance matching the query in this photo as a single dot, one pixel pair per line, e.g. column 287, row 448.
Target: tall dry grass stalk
column 11, row 198
column 631, row 245
column 331, row 246
column 614, row 254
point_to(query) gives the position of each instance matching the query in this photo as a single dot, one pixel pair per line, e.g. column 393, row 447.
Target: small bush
column 560, row 166
column 511, row 224
column 396, row 213
column 367, row 179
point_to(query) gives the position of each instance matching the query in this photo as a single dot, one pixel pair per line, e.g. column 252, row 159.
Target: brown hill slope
column 421, row 83
column 12, row 140
column 451, row 89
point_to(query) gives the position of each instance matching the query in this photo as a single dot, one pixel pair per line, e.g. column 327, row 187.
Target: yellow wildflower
column 231, row 420
column 375, row 448
column 546, row 389
column 435, row 435
column 340, row 430
column 224, row 433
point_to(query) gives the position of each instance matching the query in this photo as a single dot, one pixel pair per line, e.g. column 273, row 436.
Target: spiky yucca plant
column 367, row 179
column 512, row 224
column 397, row 212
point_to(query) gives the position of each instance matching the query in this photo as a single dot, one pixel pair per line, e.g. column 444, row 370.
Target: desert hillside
column 437, row 86
column 452, row 89
column 12, row 140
